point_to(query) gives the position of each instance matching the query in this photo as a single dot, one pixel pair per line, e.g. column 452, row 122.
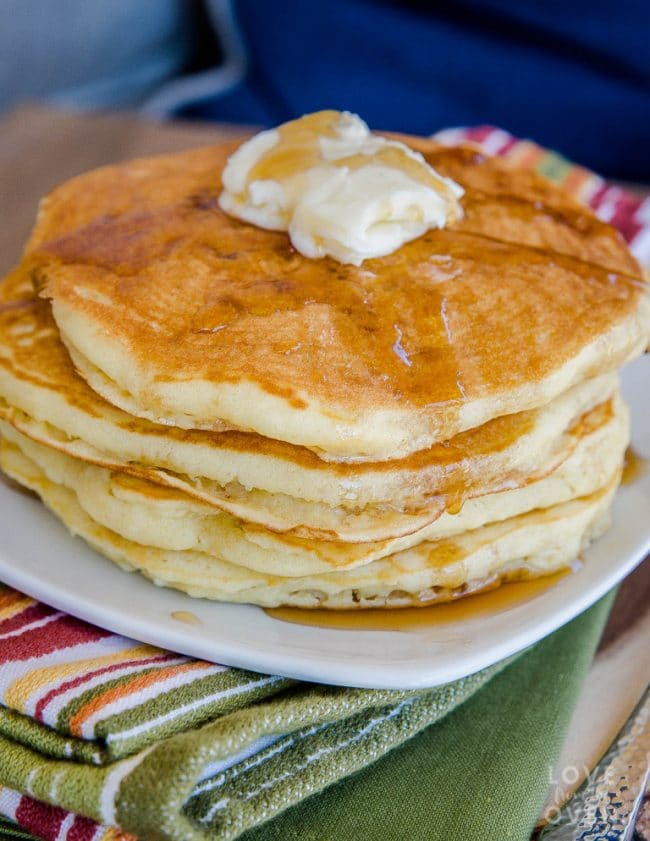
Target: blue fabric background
column 573, row 75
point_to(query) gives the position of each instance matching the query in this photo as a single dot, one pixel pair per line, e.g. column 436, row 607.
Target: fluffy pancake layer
column 179, row 314
column 271, row 483
column 537, row 543
column 146, row 513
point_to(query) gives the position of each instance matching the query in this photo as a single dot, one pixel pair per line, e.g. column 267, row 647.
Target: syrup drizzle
column 634, row 466
column 186, row 616
column 499, row 599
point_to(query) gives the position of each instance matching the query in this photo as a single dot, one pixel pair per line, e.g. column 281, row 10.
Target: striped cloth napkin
column 104, row 738
column 90, row 720
column 613, row 204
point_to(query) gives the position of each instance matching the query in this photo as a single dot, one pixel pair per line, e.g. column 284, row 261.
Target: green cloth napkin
column 478, row 770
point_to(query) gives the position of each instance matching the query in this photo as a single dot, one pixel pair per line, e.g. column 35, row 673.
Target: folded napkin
column 166, row 747
column 102, row 737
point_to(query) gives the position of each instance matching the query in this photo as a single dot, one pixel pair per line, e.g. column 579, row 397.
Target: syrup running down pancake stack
column 206, row 405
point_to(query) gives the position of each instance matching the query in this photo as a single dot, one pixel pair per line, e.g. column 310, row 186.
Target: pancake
column 274, row 484
column 202, row 403
column 177, row 313
column 148, row 514
column 537, row 543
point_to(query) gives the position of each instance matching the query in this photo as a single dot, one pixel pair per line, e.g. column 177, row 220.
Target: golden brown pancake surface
column 472, row 314
column 32, row 355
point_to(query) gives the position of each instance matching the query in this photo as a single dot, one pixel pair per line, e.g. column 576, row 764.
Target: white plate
column 38, row 556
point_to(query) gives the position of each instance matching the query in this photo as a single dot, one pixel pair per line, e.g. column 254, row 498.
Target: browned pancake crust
column 37, row 355
column 500, row 299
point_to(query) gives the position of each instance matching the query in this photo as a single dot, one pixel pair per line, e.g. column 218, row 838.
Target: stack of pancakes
column 205, row 405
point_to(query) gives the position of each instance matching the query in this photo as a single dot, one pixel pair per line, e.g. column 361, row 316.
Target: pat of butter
column 336, row 188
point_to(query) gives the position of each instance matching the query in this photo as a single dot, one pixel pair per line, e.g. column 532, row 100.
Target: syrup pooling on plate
column 496, row 598
column 187, row 617
column 634, row 467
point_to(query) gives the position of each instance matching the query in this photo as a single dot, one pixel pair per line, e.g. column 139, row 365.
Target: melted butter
column 186, row 616
column 500, row 599
column 634, row 467
column 295, row 149
column 298, row 150
column 336, row 188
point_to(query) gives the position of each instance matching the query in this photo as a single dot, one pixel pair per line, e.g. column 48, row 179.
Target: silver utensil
column 605, row 808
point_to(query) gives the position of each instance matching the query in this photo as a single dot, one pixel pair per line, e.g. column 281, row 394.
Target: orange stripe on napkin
column 136, row 685
column 41, row 680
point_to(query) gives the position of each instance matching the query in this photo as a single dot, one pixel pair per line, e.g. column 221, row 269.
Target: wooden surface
column 39, row 148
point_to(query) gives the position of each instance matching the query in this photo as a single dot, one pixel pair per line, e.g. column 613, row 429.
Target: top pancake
column 178, row 313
